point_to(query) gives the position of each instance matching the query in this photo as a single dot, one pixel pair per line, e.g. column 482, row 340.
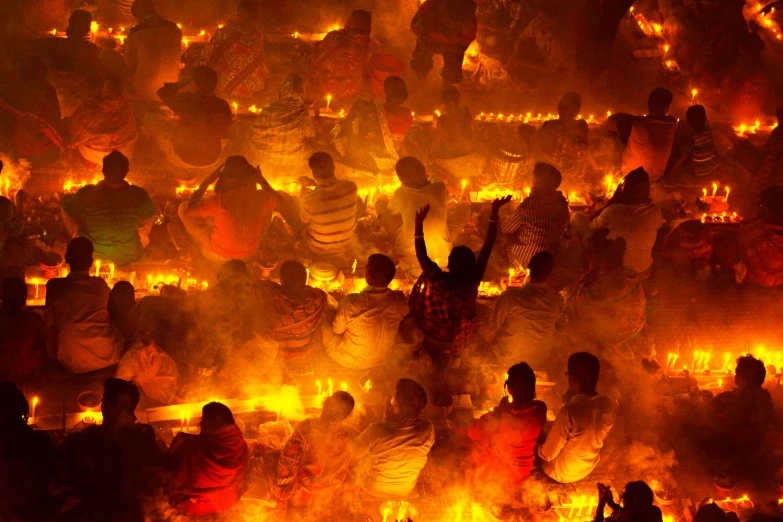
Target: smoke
column 13, row 176
column 641, row 461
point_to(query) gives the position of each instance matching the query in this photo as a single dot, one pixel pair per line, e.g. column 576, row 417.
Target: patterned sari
column 101, row 126
column 236, row 53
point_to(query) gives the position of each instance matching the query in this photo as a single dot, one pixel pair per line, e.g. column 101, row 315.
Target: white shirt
column 407, row 201
column 638, row 225
column 573, row 445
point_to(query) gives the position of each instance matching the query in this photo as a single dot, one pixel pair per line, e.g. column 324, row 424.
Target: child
column 698, row 145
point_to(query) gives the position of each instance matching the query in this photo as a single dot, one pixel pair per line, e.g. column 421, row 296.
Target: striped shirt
column 704, row 154
column 330, row 210
column 536, row 226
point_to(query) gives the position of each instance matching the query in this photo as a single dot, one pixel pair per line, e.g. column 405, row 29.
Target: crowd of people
column 575, row 277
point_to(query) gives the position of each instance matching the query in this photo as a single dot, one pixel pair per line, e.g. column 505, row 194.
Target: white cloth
column 407, row 201
column 152, row 57
column 649, row 146
column 392, row 456
column 524, row 322
column 573, row 445
column 365, row 327
column 638, row 225
column 152, row 369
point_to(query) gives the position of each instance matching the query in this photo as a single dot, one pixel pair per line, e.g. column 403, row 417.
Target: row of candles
column 702, row 361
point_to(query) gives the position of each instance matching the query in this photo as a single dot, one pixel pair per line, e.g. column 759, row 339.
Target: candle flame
column 35, row 401
column 93, row 27
column 202, row 33
column 368, row 385
column 235, row 105
column 714, row 189
column 185, row 42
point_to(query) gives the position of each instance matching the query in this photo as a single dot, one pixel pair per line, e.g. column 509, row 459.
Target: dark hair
column 751, row 370
column 346, row 404
column 637, row 496
column 659, row 101
column 141, row 8
column 696, row 116
column 460, row 9
column 248, row 8
column 78, row 253
column 548, row 176
column 450, row 94
column 122, row 294
column 411, row 171
column 14, row 408
column 710, row 513
column 521, row 382
column 395, row 86
column 462, row 261
column 205, row 78
column 13, row 292
column 634, row 189
column 410, row 397
column 293, row 274
column 233, row 267
column 79, row 24
column 115, row 388
column 216, row 415
column 569, row 105
column 584, row 368
column 380, row 270
column 360, row 21
column 115, row 166
column 322, row 165
column 541, row 266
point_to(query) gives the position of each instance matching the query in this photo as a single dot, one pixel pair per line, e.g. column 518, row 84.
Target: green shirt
column 111, row 214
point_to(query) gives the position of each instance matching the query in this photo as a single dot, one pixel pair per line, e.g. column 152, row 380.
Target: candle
column 111, row 270
column 202, row 33
column 235, row 105
column 714, row 189
column 330, row 388
column 328, row 101
column 32, row 411
column 464, row 186
column 726, row 197
column 320, row 389
column 353, row 267
column 185, row 42
column 704, row 193
column 296, row 35
column 307, row 281
column 608, row 114
column 694, row 92
column 342, row 113
column 204, row 285
column 665, row 49
column 97, row 268
column 149, row 283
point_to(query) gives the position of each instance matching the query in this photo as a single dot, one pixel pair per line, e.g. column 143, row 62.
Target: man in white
column 392, row 453
column 573, row 445
column 152, row 51
column 365, row 327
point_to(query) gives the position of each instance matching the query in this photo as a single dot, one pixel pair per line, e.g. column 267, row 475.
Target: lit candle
column 742, row 129
column 296, row 35
column 111, row 270
column 149, row 283
column 202, row 33
column 665, row 49
column 204, row 285
column 97, row 268
column 235, row 105
column 353, row 267
column 185, row 42
column 726, row 197
column 608, row 114
column 714, row 189
column 32, row 412
column 328, row 101
column 320, row 389
column 704, row 193
column 694, row 92
column 330, row 388
column 307, row 281
column 464, row 186
column 342, row 113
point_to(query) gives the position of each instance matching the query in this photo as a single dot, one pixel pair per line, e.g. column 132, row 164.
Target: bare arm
column 202, row 189
column 492, row 233
column 418, row 239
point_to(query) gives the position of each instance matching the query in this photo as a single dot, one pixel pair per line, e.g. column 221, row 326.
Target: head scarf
column 293, row 87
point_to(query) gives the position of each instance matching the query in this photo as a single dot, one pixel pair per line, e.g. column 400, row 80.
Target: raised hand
column 498, row 203
column 421, row 215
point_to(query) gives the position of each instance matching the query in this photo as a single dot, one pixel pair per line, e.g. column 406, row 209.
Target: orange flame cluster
column 13, row 176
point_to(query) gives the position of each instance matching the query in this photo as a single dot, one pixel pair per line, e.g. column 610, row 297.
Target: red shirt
column 507, row 441
column 241, row 219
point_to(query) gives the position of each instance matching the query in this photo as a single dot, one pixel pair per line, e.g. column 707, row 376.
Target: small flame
column 368, row 385
column 253, row 109
column 202, row 33
column 54, row 32
column 296, row 35
column 93, row 27
column 235, row 105
column 185, row 42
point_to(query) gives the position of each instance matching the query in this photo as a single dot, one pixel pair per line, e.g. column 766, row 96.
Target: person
column 111, row 465
column 637, row 505
column 197, row 139
column 371, row 138
column 688, row 245
column 152, row 51
column 747, row 86
column 232, row 223
column 114, row 215
column 416, row 192
column 103, row 125
column 32, row 106
column 279, row 138
column 122, row 299
column 444, row 303
column 545, row 50
column 315, row 461
column 364, row 329
column 27, row 460
column 506, row 437
column 522, row 324
column 79, row 331
column 699, row 146
column 208, row 470
column 540, row 220
column 330, row 210
column 291, row 311
column 652, row 137
column 761, row 240
column 236, row 53
column 563, row 142
column 446, row 27
column 710, row 512
column 607, row 304
column 22, row 334
column 770, row 166
column 337, row 66
column 573, row 445
column 390, row 454
column 631, row 215
column 11, row 222
column 454, row 132
column 74, row 68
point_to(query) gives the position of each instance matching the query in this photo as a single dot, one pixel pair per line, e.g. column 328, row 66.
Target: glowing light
column 665, row 49
column 179, row 26
column 253, row 109
column 202, row 33
column 714, row 189
column 235, row 105
column 437, row 114
column 185, row 42
column 94, row 27
column 54, row 32
column 368, row 385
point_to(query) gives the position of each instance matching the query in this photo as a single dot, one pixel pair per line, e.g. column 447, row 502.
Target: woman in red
column 505, row 438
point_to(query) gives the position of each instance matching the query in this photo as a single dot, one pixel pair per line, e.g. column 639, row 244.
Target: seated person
column 761, row 241
column 315, row 460
column 27, row 461
column 114, row 215
column 329, row 210
column 33, row 112
column 337, row 65
column 291, row 311
column 103, row 125
column 232, row 223
column 391, row 453
column 540, row 220
column 197, row 139
column 506, row 438
column 279, row 138
column 454, row 132
column 445, row 27
column 699, row 145
column 637, row 505
column 208, row 470
column 770, row 171
column 364, row 329
column 11, row 222
column 573, row 445
column 22, row 333
column 444, row 303
column 112, row 464
column 416, row 192
column 652, row 137
column 688, row 245
column 563, row 142
column 371, row 137
column 236, row 53
column 524, row 318
column 739, row 420
column 79, row 331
